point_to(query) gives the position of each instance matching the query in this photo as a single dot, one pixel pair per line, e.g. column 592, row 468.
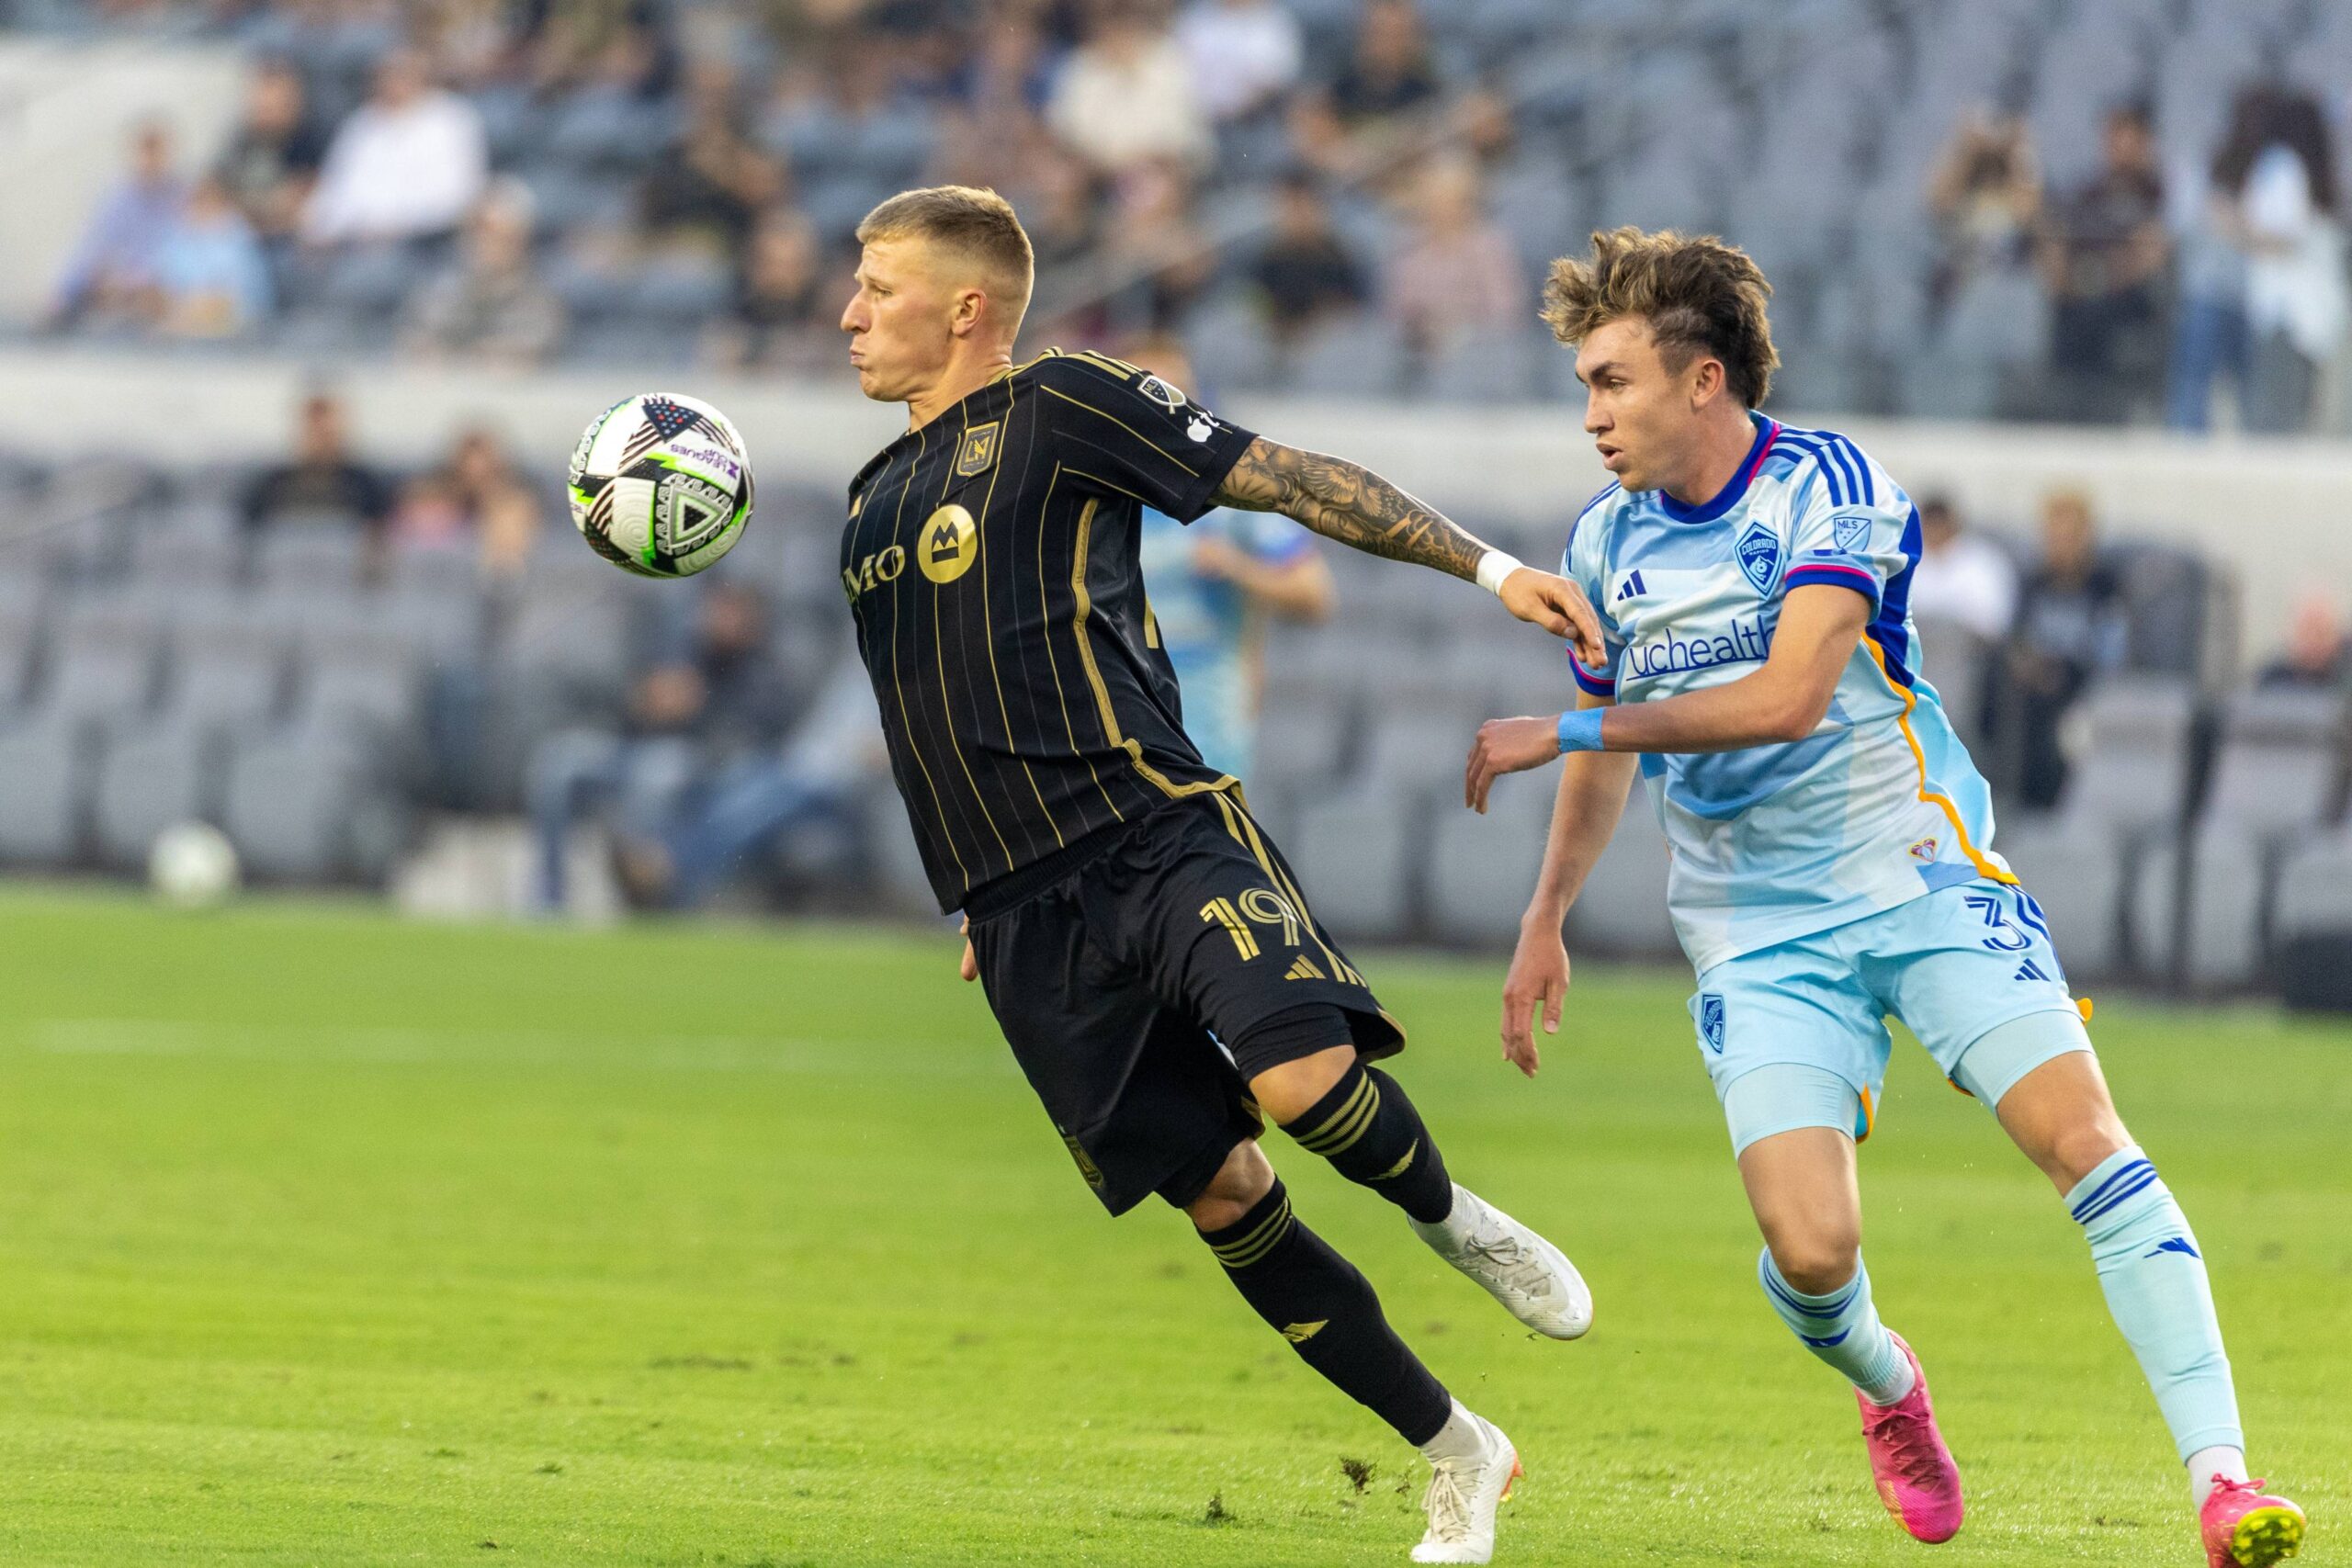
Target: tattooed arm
column 1343, row 501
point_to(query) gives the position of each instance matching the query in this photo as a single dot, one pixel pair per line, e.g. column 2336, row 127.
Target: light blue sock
column 1843, row 1329
column 2154, row 1275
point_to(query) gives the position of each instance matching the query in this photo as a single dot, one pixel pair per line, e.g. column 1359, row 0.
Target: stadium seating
column 2277, row 775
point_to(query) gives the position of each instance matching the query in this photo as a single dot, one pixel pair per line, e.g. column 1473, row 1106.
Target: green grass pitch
column 326, row 1239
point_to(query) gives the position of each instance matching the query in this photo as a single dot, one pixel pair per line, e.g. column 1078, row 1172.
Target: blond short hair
column 1698, row 294
column 973, row 224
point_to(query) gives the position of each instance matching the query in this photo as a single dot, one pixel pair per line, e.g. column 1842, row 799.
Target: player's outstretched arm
column 1349, row 503
column 1583, row 815
column 1783, row 701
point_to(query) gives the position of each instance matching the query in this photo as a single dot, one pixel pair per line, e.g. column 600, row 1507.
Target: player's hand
column 1558, row 606
column 1538, row 978
column 970, row 967
column 1507, row 746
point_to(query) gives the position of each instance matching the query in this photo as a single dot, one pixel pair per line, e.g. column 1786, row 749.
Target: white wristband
column 1493, row 567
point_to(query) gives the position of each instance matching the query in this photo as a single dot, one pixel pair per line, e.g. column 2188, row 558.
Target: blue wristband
column 1580, row 729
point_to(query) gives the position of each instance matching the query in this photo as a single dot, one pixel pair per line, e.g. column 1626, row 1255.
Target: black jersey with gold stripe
column 990, row 563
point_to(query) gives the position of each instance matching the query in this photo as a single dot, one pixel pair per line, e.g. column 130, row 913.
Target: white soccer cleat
column 1463, row 1497
column 1533, row 1279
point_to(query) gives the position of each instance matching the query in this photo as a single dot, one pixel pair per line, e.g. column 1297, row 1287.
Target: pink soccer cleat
column 2246, row 1527
column 1916, row 1478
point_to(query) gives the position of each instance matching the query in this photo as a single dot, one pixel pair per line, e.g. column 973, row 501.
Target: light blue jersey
column 1204, row 626
column 1879, row 804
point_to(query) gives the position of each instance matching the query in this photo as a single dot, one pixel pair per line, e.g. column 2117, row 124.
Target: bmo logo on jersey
column 882, row 566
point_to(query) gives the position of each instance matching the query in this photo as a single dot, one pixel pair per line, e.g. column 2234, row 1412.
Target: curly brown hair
column 1699, row 295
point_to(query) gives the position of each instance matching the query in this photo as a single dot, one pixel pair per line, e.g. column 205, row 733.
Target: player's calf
column 1362, row 1120
column 2151, row 1266
column 1318, row 1302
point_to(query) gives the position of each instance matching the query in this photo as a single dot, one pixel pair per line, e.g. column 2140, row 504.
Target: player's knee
column 2076, row 1150
column 1817, row 1263
column 1239, row 1182
column 1289, row 1090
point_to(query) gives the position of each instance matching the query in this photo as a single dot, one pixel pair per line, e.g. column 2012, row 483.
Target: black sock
column 1372, row 1134
column 1319, row 1300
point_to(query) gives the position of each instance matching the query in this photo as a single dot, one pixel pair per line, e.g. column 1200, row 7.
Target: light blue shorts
column 1955, row 964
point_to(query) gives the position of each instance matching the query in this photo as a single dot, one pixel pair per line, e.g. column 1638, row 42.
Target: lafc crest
column 978, row 450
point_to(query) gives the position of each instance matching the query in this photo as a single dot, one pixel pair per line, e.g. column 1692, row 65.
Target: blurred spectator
column 2262, row 299
column 273, row 156
column 474, row 500
column 601, row 48
column 324, row 483
column 1126, row 95
column 490, row 304
column 2294, row 286
column 832, row 756
column 781, row 317
column 1354, row 124
column 710, row 701
column 990, row 128
column 2315, row 656
column 1010, row 71
column 1246, row 55
column 1058, row 206
column 1986, row 195
column 1458, row 272
column 406, row 166
column 211, row 279
column 1304, row 272
column 1213, row 584
column 476, row 44
column 711, row 188
column 2069, row 631
column 111, row 273
column 1962, row 577
column 2209, row 316
column 1487, row 129
column 2103, row 256
column 1156, row 236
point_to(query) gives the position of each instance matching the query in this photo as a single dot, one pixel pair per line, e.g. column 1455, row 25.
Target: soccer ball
column 193, row 865
column 660, row 485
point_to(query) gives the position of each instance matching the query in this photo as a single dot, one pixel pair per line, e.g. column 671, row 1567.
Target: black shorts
column 1117, row 973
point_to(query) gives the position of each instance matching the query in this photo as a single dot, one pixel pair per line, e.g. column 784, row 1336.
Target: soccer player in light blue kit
column 1213, row 584
column 1833, row 858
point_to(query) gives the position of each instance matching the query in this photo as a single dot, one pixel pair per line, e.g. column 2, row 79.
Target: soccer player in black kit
column 1144, row 946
